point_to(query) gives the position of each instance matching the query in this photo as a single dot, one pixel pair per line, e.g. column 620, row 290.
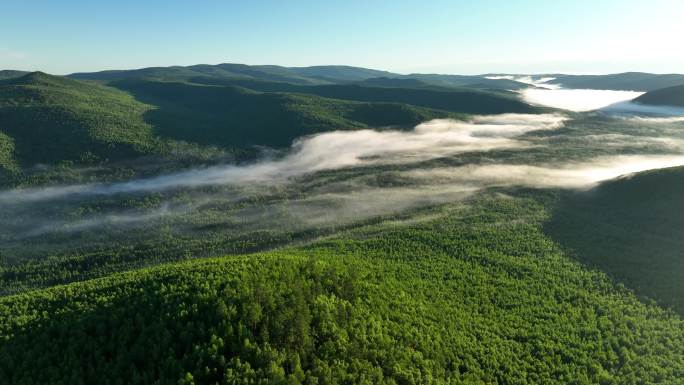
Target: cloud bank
column 332, row 150
column 576, row 175
column 577, row 99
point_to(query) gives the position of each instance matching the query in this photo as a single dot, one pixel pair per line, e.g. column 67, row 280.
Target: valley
column 218, row 224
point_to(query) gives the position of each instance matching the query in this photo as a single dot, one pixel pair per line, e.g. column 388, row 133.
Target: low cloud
column 536, row 81
column 273, row 195
column 332, row 150
column 577, row 99
column 560, row 175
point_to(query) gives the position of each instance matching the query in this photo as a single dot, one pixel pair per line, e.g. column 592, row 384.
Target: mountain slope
column 468, row 81
column 448, row 300
column 340, row 73
column 235, row 116
column 628, row 81
column 670, row 96
column 49, row 118
column 461, row 100
column 295, row 75
column 636, row 231
column 329, row 74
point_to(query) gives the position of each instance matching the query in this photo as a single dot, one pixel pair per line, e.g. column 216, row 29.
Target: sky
column 405, row 36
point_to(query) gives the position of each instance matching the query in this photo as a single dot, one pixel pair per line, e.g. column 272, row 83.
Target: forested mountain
column 670, row 96
column 447, row 299
column 45, row 119
column 76, row 121
column 240, row 224
column 80, row 121
column 628, row 81
column 237, row 116
column 462, row 100
column 636, row 231
column 296, row 75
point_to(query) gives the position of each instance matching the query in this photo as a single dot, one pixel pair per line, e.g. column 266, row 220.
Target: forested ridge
column 87, row 123
column 234, row 224
column 475, row 295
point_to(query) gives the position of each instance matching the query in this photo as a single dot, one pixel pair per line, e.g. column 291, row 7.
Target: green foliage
column 468, row 293
column 296, row 75
column 461, row 100
column 51, row 119
column 48, row 119
column 631, row 228
column 329, row 74
column 7, row 161
column 478, row 295
column 235, row 116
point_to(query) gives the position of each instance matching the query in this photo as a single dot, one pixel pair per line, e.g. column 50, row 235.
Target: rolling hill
column 636, row 232
column 391, row 267
column 670, row 96
column 295, row 75
column 628, row 81
column 330, row 74
column 237, row 116
column 46, row 119
column 70, row 120
column 463, row 100
column 447, row 299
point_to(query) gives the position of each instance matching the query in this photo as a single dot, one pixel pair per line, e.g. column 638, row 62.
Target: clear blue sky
column 444, row 36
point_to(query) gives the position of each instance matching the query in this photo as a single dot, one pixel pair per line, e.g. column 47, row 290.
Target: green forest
column 453, row 299
column 237, row 224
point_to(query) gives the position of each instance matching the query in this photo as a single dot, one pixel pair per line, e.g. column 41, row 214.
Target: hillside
column 295, row 75
column 46, row 119
column 628, row 81
column 70, row 120
column 670, row 96
column 636, row 232
column 468, row 81
column 329, row 74
column 448, row 298
column 463, row 100
column 8, row 74
column 236, row 116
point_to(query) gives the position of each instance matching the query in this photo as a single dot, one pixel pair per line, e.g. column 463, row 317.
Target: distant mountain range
column 126, row 117
column 111, row 115
column 315, row 75
column 336, row 74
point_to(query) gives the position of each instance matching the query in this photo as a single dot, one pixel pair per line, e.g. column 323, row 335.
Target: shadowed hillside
column 633, row 229
column 670, row 96
column 236, row 116
column 461, row 100
column 48, row 119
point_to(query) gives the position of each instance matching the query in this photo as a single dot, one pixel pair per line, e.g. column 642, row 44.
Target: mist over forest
column 224, row 224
